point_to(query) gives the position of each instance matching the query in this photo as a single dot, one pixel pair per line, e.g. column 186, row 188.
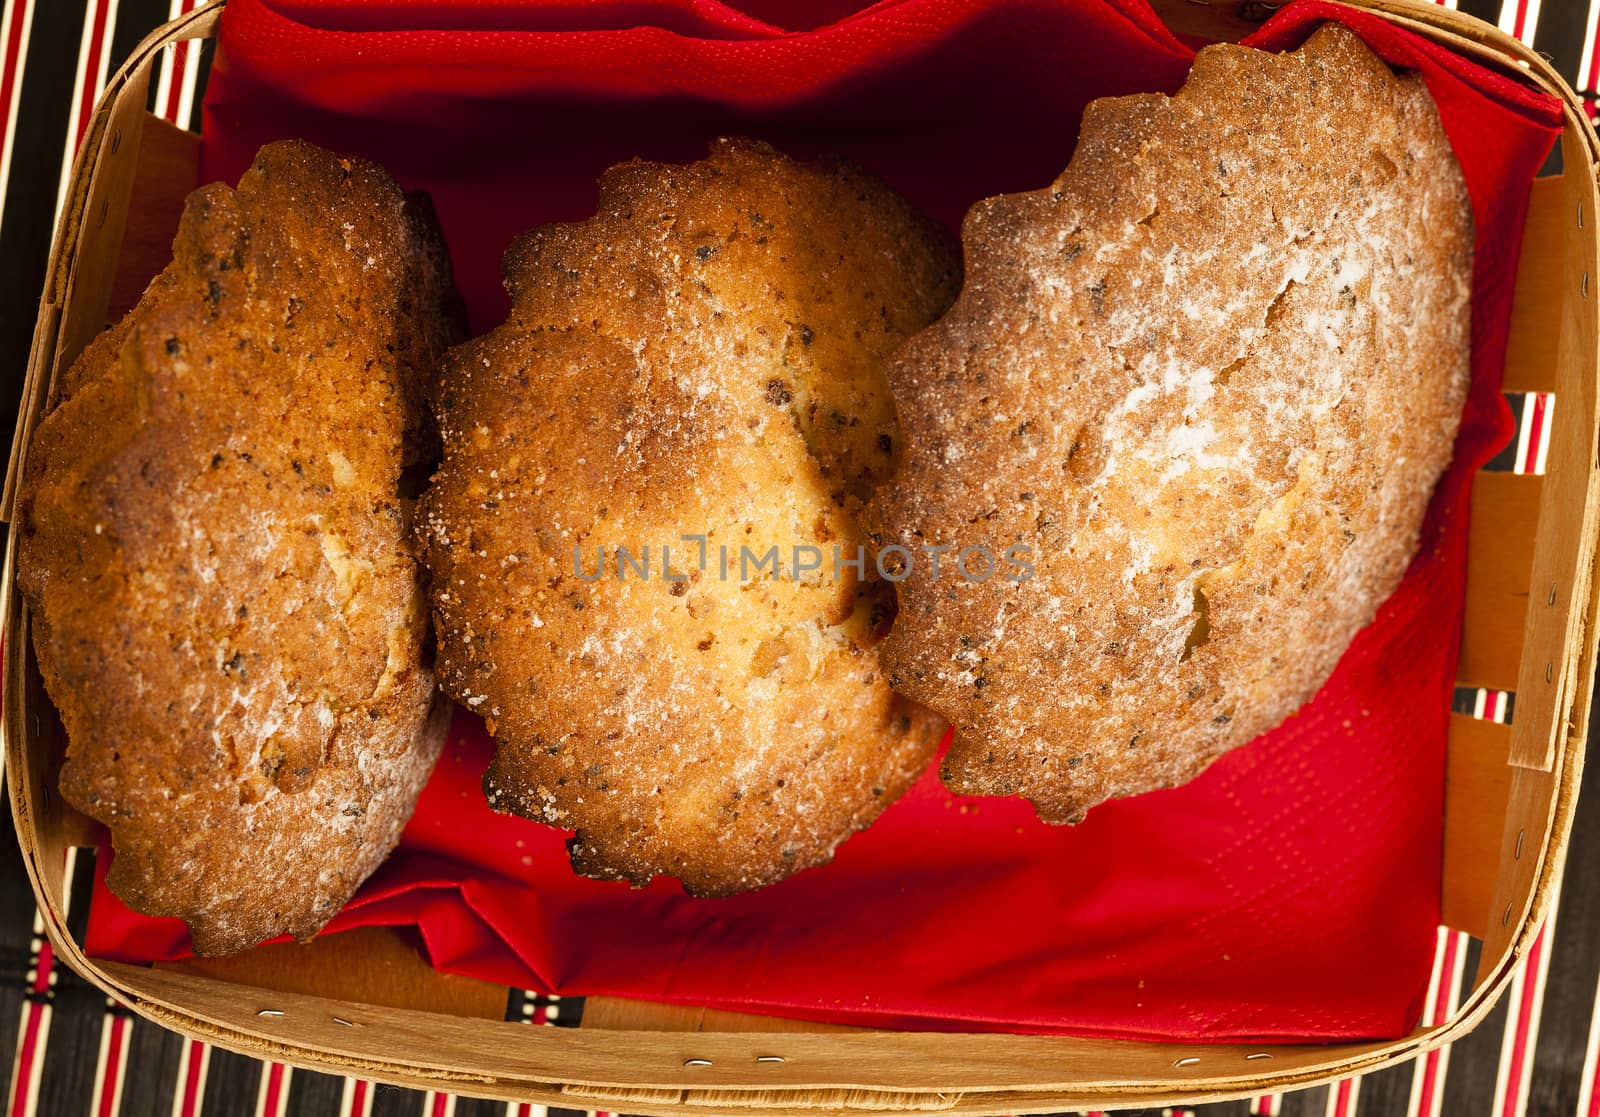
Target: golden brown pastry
column 1207, row 380
column 214, row 545
column 701, row 358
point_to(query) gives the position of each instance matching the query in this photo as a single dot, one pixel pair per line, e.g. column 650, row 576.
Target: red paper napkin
column 1290, row 893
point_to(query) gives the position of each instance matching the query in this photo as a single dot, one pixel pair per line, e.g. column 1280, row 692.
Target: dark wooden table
column 65, row 1050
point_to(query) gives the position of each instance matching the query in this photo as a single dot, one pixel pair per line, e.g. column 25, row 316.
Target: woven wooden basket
column 365, row 1003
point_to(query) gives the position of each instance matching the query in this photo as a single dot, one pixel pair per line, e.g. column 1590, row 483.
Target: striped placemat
column 66, row 1050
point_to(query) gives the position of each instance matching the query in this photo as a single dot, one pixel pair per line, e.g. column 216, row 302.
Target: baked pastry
column 1205, row 383
column 214, row 543
column 697, row 367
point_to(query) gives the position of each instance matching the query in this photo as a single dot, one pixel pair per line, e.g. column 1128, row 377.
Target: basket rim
column 134, row 986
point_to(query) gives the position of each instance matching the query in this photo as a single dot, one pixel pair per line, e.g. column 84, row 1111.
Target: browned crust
column 215, row 551
column 704, row 356
column 1210, row 377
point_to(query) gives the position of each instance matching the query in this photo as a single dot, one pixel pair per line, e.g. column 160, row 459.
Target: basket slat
column 622, row 1013
column 1531, row 347
column 166, row 169
column 378, row 965
column 411, row 1045
column 1504, row 522
column 1563, row 556
column 1478, row 786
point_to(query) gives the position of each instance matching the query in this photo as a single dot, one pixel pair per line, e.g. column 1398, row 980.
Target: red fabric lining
column 1289, row 893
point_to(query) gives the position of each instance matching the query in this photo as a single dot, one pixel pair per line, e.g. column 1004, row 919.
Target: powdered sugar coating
column 1210, row 377
column 703, row 357
column 214, row 546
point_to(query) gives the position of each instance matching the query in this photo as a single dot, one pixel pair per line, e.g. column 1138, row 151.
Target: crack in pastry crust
column 216, row 553
column 1210, row 377
column 703, row 356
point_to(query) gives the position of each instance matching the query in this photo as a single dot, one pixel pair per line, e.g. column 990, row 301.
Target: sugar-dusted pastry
column 213, row 541
column 1207, row 380
column 697, row 369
